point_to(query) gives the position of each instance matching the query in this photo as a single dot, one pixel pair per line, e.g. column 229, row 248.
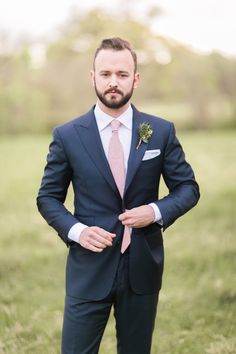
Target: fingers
column 128, row 218
column 138, row 217
column 96, row 239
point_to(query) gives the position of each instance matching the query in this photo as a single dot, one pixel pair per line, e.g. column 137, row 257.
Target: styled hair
column 116, row 44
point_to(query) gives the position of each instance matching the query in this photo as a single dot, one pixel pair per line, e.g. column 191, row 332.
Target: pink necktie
column 117, row 165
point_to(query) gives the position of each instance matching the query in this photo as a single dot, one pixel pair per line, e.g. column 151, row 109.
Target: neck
column 111, row 111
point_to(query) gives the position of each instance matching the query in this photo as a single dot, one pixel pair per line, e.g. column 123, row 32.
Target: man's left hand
column 138, row 217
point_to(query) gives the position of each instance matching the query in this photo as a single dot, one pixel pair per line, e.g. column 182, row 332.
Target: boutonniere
column 145, row 132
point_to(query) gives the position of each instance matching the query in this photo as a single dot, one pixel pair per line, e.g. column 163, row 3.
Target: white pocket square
column 150, row 154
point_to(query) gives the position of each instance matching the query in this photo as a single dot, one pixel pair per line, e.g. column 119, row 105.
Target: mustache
column 113, row 90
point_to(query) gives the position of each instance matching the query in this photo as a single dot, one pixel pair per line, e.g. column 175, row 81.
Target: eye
column 104, row 74
column 123, row 75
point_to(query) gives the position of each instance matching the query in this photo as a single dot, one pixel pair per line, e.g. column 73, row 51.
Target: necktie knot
column 115, row 124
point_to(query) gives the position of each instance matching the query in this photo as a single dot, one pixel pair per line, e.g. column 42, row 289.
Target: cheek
column 130, row 86
column 126, row 85
column 101, row 84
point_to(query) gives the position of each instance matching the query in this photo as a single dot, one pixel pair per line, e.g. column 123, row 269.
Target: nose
column 113, row 82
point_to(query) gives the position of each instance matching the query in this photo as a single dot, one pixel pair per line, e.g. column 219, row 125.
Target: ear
column 92, row 77
column 136, row 80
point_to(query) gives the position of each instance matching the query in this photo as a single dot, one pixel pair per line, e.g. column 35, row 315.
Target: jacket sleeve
column 180, row 181
column 53, row 190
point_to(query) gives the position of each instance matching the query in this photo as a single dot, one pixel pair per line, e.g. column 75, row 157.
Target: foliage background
column 43, row 84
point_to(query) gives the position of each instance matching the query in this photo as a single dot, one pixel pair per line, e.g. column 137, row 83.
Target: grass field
column 197, row 309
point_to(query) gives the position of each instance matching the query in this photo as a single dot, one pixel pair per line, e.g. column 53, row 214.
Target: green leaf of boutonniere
column 145, row 132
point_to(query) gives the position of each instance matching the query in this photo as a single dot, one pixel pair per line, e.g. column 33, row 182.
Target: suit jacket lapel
column 87, row 129
column 136, row 155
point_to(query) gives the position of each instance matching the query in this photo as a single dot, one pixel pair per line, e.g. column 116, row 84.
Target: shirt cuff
column 158, row 216
column 75, row 231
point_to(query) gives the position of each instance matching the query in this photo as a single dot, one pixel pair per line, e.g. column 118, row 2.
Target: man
column 114, row 156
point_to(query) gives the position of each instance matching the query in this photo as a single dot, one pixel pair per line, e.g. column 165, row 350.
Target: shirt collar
column 103, row 119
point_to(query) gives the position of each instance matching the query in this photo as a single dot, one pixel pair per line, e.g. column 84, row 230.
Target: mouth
column 114, row 92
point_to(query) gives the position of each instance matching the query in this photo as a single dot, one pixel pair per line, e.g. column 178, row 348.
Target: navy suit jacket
column 76, row 155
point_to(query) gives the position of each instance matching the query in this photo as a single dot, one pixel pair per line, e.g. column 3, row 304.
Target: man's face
column 114, row 78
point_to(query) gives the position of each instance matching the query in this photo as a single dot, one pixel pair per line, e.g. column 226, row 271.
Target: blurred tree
column 23, row 106
column 225, row 74
column 194, row 81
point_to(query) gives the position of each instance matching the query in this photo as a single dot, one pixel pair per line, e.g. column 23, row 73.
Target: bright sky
column 203, row 24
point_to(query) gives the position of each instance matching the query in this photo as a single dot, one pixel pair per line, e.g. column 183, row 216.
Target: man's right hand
column 96, row 239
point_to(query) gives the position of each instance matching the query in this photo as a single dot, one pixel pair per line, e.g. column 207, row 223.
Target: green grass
column 197, row 309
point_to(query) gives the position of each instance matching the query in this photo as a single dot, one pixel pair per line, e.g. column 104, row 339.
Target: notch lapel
column 136, row 155
column 88, row 132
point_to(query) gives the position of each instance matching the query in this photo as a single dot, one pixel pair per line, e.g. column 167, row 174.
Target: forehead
column 114, row 60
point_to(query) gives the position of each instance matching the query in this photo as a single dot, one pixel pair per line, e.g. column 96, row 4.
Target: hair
column 116, row 44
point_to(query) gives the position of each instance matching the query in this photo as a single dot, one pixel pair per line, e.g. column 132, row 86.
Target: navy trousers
column 85, row 321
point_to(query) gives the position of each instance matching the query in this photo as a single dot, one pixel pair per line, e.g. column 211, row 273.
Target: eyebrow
column 120, row 71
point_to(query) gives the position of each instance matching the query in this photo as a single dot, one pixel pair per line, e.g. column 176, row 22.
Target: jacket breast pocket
column 150, row 168
column 151, row 161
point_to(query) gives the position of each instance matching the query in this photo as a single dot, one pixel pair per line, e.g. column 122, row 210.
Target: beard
column 114, row 102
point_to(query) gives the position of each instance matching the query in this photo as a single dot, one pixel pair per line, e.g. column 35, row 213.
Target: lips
column 114, row 92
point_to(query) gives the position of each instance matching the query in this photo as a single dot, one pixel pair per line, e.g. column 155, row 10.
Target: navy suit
column 76, row 155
